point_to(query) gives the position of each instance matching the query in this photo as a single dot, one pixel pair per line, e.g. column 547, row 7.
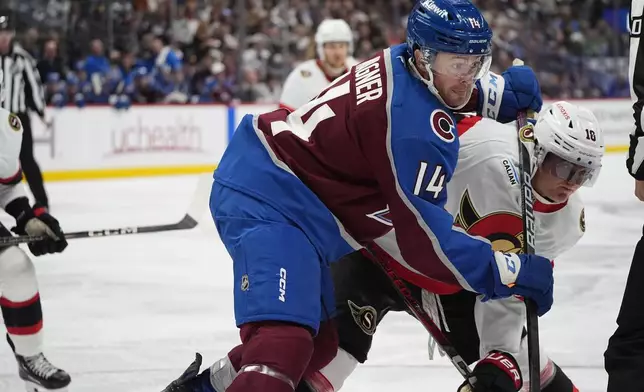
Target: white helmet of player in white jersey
column 333, row 30
column 572, row 134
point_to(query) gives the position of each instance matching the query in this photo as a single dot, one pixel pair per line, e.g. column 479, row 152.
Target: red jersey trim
column 285, row 106
column 548, row 208
column 466, row 124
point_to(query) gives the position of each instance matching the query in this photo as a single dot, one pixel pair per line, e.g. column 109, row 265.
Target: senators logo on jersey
column 14, row 122
column 365, row 316
column 503, row 229
column 582, row 221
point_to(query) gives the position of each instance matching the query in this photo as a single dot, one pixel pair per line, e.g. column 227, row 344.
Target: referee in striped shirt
column 22, row 91
column 624, row 358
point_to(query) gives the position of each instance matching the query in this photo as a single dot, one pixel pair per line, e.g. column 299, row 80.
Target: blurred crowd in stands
column 188, row 51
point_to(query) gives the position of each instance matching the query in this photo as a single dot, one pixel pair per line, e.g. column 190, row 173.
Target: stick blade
column 200, row 200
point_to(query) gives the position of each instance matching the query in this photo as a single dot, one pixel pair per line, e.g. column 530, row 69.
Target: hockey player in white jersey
column 485, row 199
column 334, row 47
column 19, row 297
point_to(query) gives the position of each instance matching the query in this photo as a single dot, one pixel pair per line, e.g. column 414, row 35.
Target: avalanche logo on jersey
column 443, row 125
column 510, row 240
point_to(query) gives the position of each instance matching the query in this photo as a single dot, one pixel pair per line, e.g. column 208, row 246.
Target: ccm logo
column 282, row 296
column 512, row 267
column 492, row 96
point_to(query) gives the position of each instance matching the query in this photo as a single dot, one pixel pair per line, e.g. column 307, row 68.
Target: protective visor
column 461, row 66
column 568, row 171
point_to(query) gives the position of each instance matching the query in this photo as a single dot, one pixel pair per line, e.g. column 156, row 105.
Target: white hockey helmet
column 333, row 30
column 572, row 134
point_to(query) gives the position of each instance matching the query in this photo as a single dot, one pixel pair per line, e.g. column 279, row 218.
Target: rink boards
column 101, row 142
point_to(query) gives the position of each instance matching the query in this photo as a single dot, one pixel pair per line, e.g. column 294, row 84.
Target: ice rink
column 127, row 313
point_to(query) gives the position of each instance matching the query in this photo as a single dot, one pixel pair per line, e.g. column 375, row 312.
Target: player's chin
column 562, row 196
column 337, row 62
column 457, row 99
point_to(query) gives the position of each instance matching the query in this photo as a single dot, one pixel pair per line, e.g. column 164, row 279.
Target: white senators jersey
column 305, row 82
column 10, row 173
column 484, row 196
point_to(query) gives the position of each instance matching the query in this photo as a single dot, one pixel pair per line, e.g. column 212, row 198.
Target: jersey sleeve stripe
column 13, row 179
column 386, row 248
column 437, row 257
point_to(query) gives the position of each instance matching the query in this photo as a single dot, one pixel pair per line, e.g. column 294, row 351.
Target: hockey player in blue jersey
column 297, row 190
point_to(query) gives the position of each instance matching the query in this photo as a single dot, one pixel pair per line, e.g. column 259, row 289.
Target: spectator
column 51, row 63
column 252, row 89
column 561, row 39
column 96, row 62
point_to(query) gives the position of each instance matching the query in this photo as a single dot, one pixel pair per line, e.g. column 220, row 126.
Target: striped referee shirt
column 21, row 85
column 635, row 161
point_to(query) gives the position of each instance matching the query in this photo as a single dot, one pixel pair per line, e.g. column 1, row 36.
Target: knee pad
column 17, row 275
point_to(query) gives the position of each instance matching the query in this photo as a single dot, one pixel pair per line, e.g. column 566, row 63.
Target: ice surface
column 128, row 313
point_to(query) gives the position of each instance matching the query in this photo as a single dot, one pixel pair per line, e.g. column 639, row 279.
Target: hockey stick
column 526, row 135
column 189, row 221
column 417, row 310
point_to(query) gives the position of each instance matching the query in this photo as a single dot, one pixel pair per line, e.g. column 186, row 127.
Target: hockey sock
column 20, row 302
column 325, row 347
column 274, row 357
column 24, row 324
column 559, row 383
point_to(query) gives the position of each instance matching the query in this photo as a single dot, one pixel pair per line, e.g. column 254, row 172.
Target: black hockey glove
column 497, row 372
column 37, row 221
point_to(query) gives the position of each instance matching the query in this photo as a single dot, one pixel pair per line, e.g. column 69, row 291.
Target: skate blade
column 31, row 387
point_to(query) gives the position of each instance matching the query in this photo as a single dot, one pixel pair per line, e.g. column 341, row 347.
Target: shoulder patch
column 14, row 122
column 526, row 133
column 582, row 220
column 443, row 125
column 305, row 73
column 510, row 171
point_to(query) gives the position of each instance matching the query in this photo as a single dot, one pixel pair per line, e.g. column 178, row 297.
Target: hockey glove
column 525, row 275
column 497, row 372
column 36, row 222
column 501, row 97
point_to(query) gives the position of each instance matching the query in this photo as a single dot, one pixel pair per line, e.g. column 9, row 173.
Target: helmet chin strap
column 430, row 85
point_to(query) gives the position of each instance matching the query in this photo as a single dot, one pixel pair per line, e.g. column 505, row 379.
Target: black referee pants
column 28, row 163
column 624, row 358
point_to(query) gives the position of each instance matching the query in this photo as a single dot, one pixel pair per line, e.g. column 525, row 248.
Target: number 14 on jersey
column 435, row 185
